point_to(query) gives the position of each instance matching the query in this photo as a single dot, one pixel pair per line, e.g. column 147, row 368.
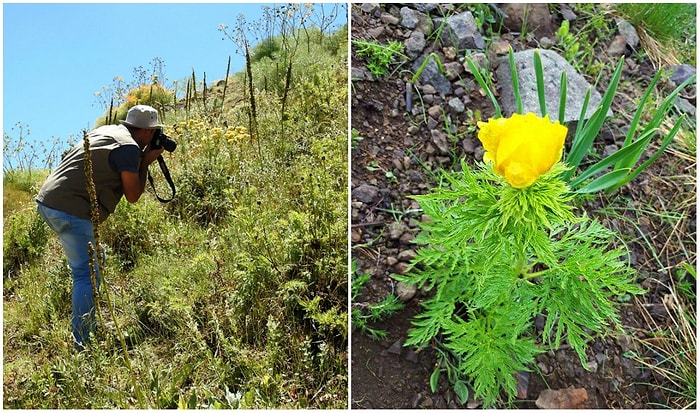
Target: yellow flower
column 522, row 147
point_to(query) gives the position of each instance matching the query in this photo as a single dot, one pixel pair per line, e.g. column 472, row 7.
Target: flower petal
column 522, row 147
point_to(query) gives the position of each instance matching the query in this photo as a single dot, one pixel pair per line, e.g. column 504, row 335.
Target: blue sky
column 56, row 56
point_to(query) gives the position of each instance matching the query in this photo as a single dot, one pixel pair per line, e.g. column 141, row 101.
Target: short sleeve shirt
column 125, row 158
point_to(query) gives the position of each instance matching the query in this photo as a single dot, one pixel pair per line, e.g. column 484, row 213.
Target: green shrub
column 24, row 240
column 132, row 230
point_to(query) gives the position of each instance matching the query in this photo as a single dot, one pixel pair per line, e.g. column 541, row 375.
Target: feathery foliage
column 495, row 257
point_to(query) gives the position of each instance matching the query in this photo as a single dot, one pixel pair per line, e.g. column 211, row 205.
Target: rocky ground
column 401, row 142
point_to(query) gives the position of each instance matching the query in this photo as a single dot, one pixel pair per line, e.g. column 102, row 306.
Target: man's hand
column 151, row 155
column 135, row 183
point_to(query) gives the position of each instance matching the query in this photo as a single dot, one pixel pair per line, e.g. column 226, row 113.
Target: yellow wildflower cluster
column 202, row 132
column 148, row 94
column 237, row 134
column 230, row 135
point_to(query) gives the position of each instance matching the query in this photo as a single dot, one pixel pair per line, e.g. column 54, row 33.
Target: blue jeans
column 75, row 233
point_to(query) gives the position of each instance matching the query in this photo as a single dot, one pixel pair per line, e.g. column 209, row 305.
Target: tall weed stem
column 95, row 218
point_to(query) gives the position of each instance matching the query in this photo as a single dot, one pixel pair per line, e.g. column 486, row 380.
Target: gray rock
column 469, row 145
column 685, row 106
column 600, row 358
column 547, row 43
column 440, row 140
column 415, row 44
column 455, row 105
column 361, row 73
column 397, row 347
column 411, row 356
column 365, row 193
column 592, row 366
column 405, row 292
column 553, row 64
column 375, row 32
column 389, row 19
column 626, row 343
column 396, row 229
column 566, row 12
column 426, row 7
column 431, row 76
column 453, row 69
column 410, row 18
column 428, row 89
column 609, row 150
column 407, row 255
column 460, row 31
column 681, row 73
column 369, row 8
column 628, row 32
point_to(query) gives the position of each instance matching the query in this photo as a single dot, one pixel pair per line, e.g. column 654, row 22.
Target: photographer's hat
column 142, row 116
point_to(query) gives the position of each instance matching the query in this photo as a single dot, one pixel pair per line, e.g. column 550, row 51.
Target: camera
column 161, row 140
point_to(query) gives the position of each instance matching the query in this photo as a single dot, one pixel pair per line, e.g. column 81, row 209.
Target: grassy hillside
column 232, row 296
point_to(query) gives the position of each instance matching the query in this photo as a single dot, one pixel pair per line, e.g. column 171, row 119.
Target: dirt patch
column 398, row 156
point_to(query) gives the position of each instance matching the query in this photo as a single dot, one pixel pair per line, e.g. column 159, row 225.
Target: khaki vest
column 66, row 188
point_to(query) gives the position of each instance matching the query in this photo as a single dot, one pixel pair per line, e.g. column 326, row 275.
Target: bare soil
column 655, row 216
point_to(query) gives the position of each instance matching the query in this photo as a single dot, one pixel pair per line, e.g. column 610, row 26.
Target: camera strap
column 166, row 174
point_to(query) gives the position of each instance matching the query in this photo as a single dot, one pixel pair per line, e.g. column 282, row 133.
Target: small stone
column 592, row 366
column 369, row 8
column 439, row 138
column 455, row 105
column 626, row 343
column 365, row 193
column 411, row 356
column 405, row 292
column 416, row 399
column 544, row 367
column 415, row 176
column 356, row 236
column 415, row 44
column 479, row 153
column 547, row 43
column 609, row 150
column 628, row 32
column 397, row 347
column 407, row 255
column 426, row 403
column 401, row 267
column 453, row 70
column 617, row 46
column 375, row 32
column 428, row 89
column 539, row 322
column 389, row 19
column 450, row 53
column 570, row 398
column 681, row 73
column 500, row 47
column 469, row 145
column 435, row 112
column 566, row 12
column 406, row 238
column 600, row 358
column 409, row 18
